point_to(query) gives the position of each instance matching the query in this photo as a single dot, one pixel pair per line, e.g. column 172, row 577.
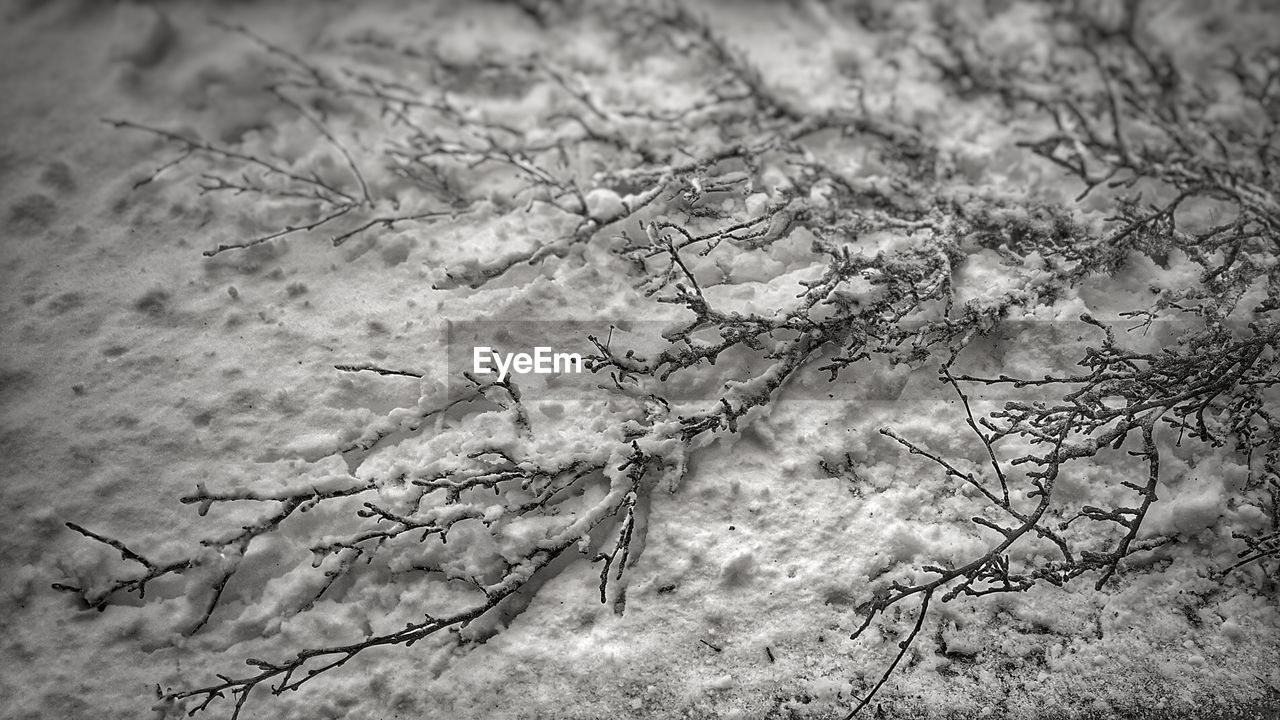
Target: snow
column 133, row 370
column 604, row 205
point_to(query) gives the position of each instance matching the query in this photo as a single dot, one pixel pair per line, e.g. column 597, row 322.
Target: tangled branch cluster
column 1156, row 141
column 739, row 170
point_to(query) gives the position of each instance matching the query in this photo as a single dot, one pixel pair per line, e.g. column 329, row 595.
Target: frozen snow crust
column 961, row 307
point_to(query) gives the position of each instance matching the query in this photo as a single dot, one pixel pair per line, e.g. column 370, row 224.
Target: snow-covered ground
column 135, row 368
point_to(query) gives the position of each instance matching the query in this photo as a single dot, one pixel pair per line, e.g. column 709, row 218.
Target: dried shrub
column 480, row 510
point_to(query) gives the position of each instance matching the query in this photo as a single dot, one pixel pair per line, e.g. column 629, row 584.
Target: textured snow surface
column 132, row 369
